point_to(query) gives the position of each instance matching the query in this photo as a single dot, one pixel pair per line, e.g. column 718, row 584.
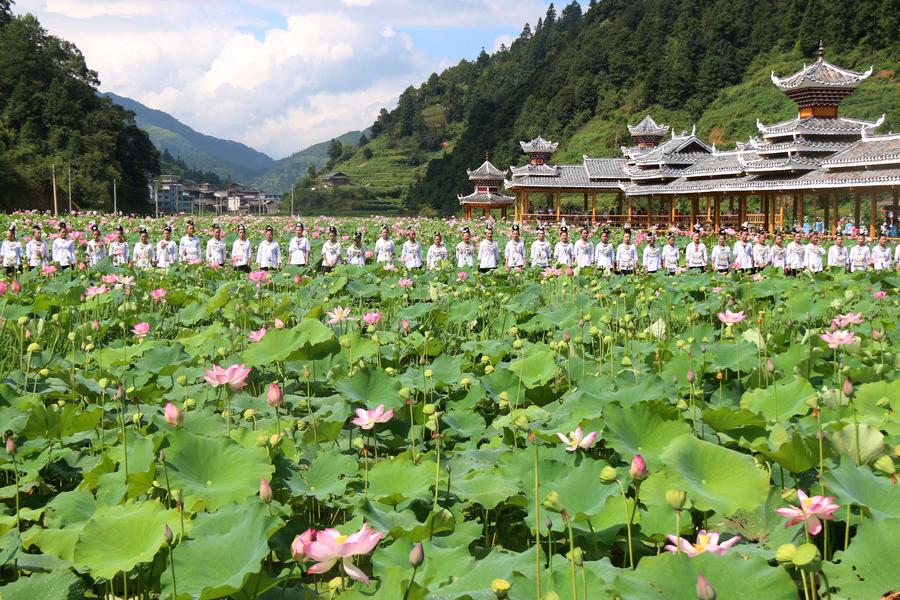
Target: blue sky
column 278, row 75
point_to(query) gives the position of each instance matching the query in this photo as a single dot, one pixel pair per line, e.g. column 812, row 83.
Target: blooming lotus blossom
column 845, row 321
column 836, row 339
column 48, row 270
column 94, row 290
column 158, row 294
column 3, row 287
column 405, row 282
column 234, row 376
column 126, row 281
column 576, row 439
column 717, row 290
column 255, row 336
column 259, row 277
column 879, row 295
column 301, row 543
column 331, row 545
column 372, row 318
column 338, row 314
column 141, row 329
column 366, row 419
column 812, row 510
column 173, row 415
column 707, row 541
column 570, row 272
column 389, row 267
column 731, row 318
column 108, row 279
column 462, row 276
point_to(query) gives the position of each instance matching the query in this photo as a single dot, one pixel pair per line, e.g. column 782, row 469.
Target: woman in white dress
column 465, row 250
column 437, row 253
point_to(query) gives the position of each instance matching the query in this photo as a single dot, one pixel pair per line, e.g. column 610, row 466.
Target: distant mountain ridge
column 226, row 158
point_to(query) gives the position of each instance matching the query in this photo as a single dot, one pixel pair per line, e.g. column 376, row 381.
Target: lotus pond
column 193, row 433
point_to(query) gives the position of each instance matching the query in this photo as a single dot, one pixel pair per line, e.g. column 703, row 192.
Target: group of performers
column 748, row 253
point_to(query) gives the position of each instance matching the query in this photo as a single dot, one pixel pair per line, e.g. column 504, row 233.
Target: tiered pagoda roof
column 820, row 84
column 487, row 179
column 648, row 132
column 539, row 145
column 486, row 172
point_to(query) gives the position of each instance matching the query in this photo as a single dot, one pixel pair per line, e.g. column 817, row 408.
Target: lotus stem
column 437, row 472
column 568, row 521
column 172, row 567
column 537, row 524
column 410, row 584
column 627, row 525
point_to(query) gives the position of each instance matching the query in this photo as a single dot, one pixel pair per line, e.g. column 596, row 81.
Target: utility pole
column 53, row 170
column 115, row 207
column 156, row 197
column 70, row 189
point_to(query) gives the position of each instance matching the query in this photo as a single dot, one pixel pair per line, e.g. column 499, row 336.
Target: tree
column 406, row 110
column 335, row 149
column 367, row 153
column 526, row 33
column 363, row 140
column 550, row 17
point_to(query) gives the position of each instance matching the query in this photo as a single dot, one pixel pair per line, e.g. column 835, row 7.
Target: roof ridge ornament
column 821, row 50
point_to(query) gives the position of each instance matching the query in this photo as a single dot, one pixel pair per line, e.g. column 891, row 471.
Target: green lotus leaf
column 396, row 479
column 860, row 443
column 117, row 538
column 446, row 370
column 484, row 488
column 535, row 369
column 781, row 400
column 224, row 549
column 328, row 475
column 859, row 486
column 715, row 477
column 213, row 472
column 644, row 428
column 868, row 568
column 732, row 576
column 369, row 388
column 60, row 584
column 797, row 455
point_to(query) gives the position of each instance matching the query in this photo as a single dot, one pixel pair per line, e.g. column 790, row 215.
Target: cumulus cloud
column 278, row 75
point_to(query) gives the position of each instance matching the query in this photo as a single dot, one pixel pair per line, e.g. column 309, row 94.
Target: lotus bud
column 705, row 589
column 608, row 475
column 676, row 499
column 173, row 416
column 249, row 414
column 120, row 392
column 785, row 553
column 428, row 373
column 274, row 396
column 265, row 491
column 500, row 587
column 262, row 440
column 306, row 373
column 517, row 344
column 553, row 502
column 416, row 555
column 565, row 336
column 168, row 536
column 10, row 444
column 521, row 423
column 577, row 556
column 847, row 388
column 103, row 382
column 638, row 468
column 181, row 379
column 885, row 465
column 690, row 376
column 136, row 418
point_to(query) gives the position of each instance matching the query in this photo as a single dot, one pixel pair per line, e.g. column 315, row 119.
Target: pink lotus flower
column 836, row 339
column 3, row 287
column 405, row 282
column 372, row 318
column 366, row 419
column 389, row 267
column 173, row 415
column 279, row 324
column 255, row 336
column 462, row 276
column 570, row 271
column 94, row 290
column 274, row 396
column 706, row 542
column 259, row 277
column 638, row 468
column 108, row 279
column 158, row 294
column 717, row 290
column 48, row 270
column 331, row 546
column 731, row 318
column 297, row 280
column 141, row 329
column 404, row 325
column 577, row 439
column 879, row 295
column 845, row 321
column 338, row 314
column 15, row 286
column 234, row 376
column 812, row 510
column 265, row 491
column 127, row 281
column 300, row 545
column 95, row 325
column 369, row 254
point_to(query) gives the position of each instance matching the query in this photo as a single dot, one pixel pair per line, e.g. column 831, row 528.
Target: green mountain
column 578, row 77
column 280, row 176
column 52, row 117
column 227, row 158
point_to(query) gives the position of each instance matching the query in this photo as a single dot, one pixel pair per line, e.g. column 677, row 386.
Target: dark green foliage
column 175, row 165
column 51, row 114
column 620, row 57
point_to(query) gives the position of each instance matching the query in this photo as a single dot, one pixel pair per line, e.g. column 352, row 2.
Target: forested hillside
column 579, row 77
column 51, row 114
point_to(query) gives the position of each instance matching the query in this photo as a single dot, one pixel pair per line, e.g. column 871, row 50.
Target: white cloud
column 278, row 75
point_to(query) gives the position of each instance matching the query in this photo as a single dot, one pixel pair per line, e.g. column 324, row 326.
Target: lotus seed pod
column 136, row 418
column 22, row 320
column 275, row 440
column 262, row 440
column 404, row 393
column 551, row 596
column 88, row 347
column 429, row 373
column 33, row 347
column 885, row 465
column 485, row 359
column 103, row 382
column 428, row 409
column 512, row 331
column 593, row 331
column 608, row 475
column 626, row 361
column 44, row 372
column 181, row 379
column 607, row 340
column 465, row 382
column 562, row 345
column 681, row 405
column 71, row 336
column 389, row 370
column 521, row 423
column 488, row 370
column 220, row 351
column 517, row 344
column 336, row 583
column 553, row 502
column 358, row 443
column 189, row 403
column 503, row 404
column 500, row 587
column 577, row 557
column 785, row 553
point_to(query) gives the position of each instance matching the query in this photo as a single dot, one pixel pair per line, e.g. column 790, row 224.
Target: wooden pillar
column 764, row 207
column 671, row 211
column 526, row 201
column 894, row 205
column 730, row 204
column 558, row 204
column 585, row 203
column 516, row 207
column 856, row 210
column 873, row 213
column 619, row 208
column 709, row 202
column 717, row 209
column 649, row 211
column 742, row 208
column 630, row 200
column 827, row 211
column 800, row 202
column 593, row 208
column 695, row 208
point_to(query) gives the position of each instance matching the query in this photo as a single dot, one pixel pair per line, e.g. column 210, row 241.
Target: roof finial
column 487, row 156
column 821, row 50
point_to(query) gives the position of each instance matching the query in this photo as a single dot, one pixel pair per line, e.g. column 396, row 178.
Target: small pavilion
column 487, row 180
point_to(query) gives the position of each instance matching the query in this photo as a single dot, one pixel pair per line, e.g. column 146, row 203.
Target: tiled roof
column 720, row 163
column 775, row 165
column 605, row 168
column 649, row 174
column 877, row 150
column 798, row 146
column 486, row 199
column 539, row 144
column 821, row 74
column 570, row 176
column 541, row 170
column 648, row 127
column 817, row 126
column 671, row 151
column 486, row 171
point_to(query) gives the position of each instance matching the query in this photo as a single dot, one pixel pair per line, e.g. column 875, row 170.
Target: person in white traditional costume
column 465, row 250
column 437, row 252
column 540, row 249
column 166, row 250
column 142, row 253
column 514, row 253
column 488, row 251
